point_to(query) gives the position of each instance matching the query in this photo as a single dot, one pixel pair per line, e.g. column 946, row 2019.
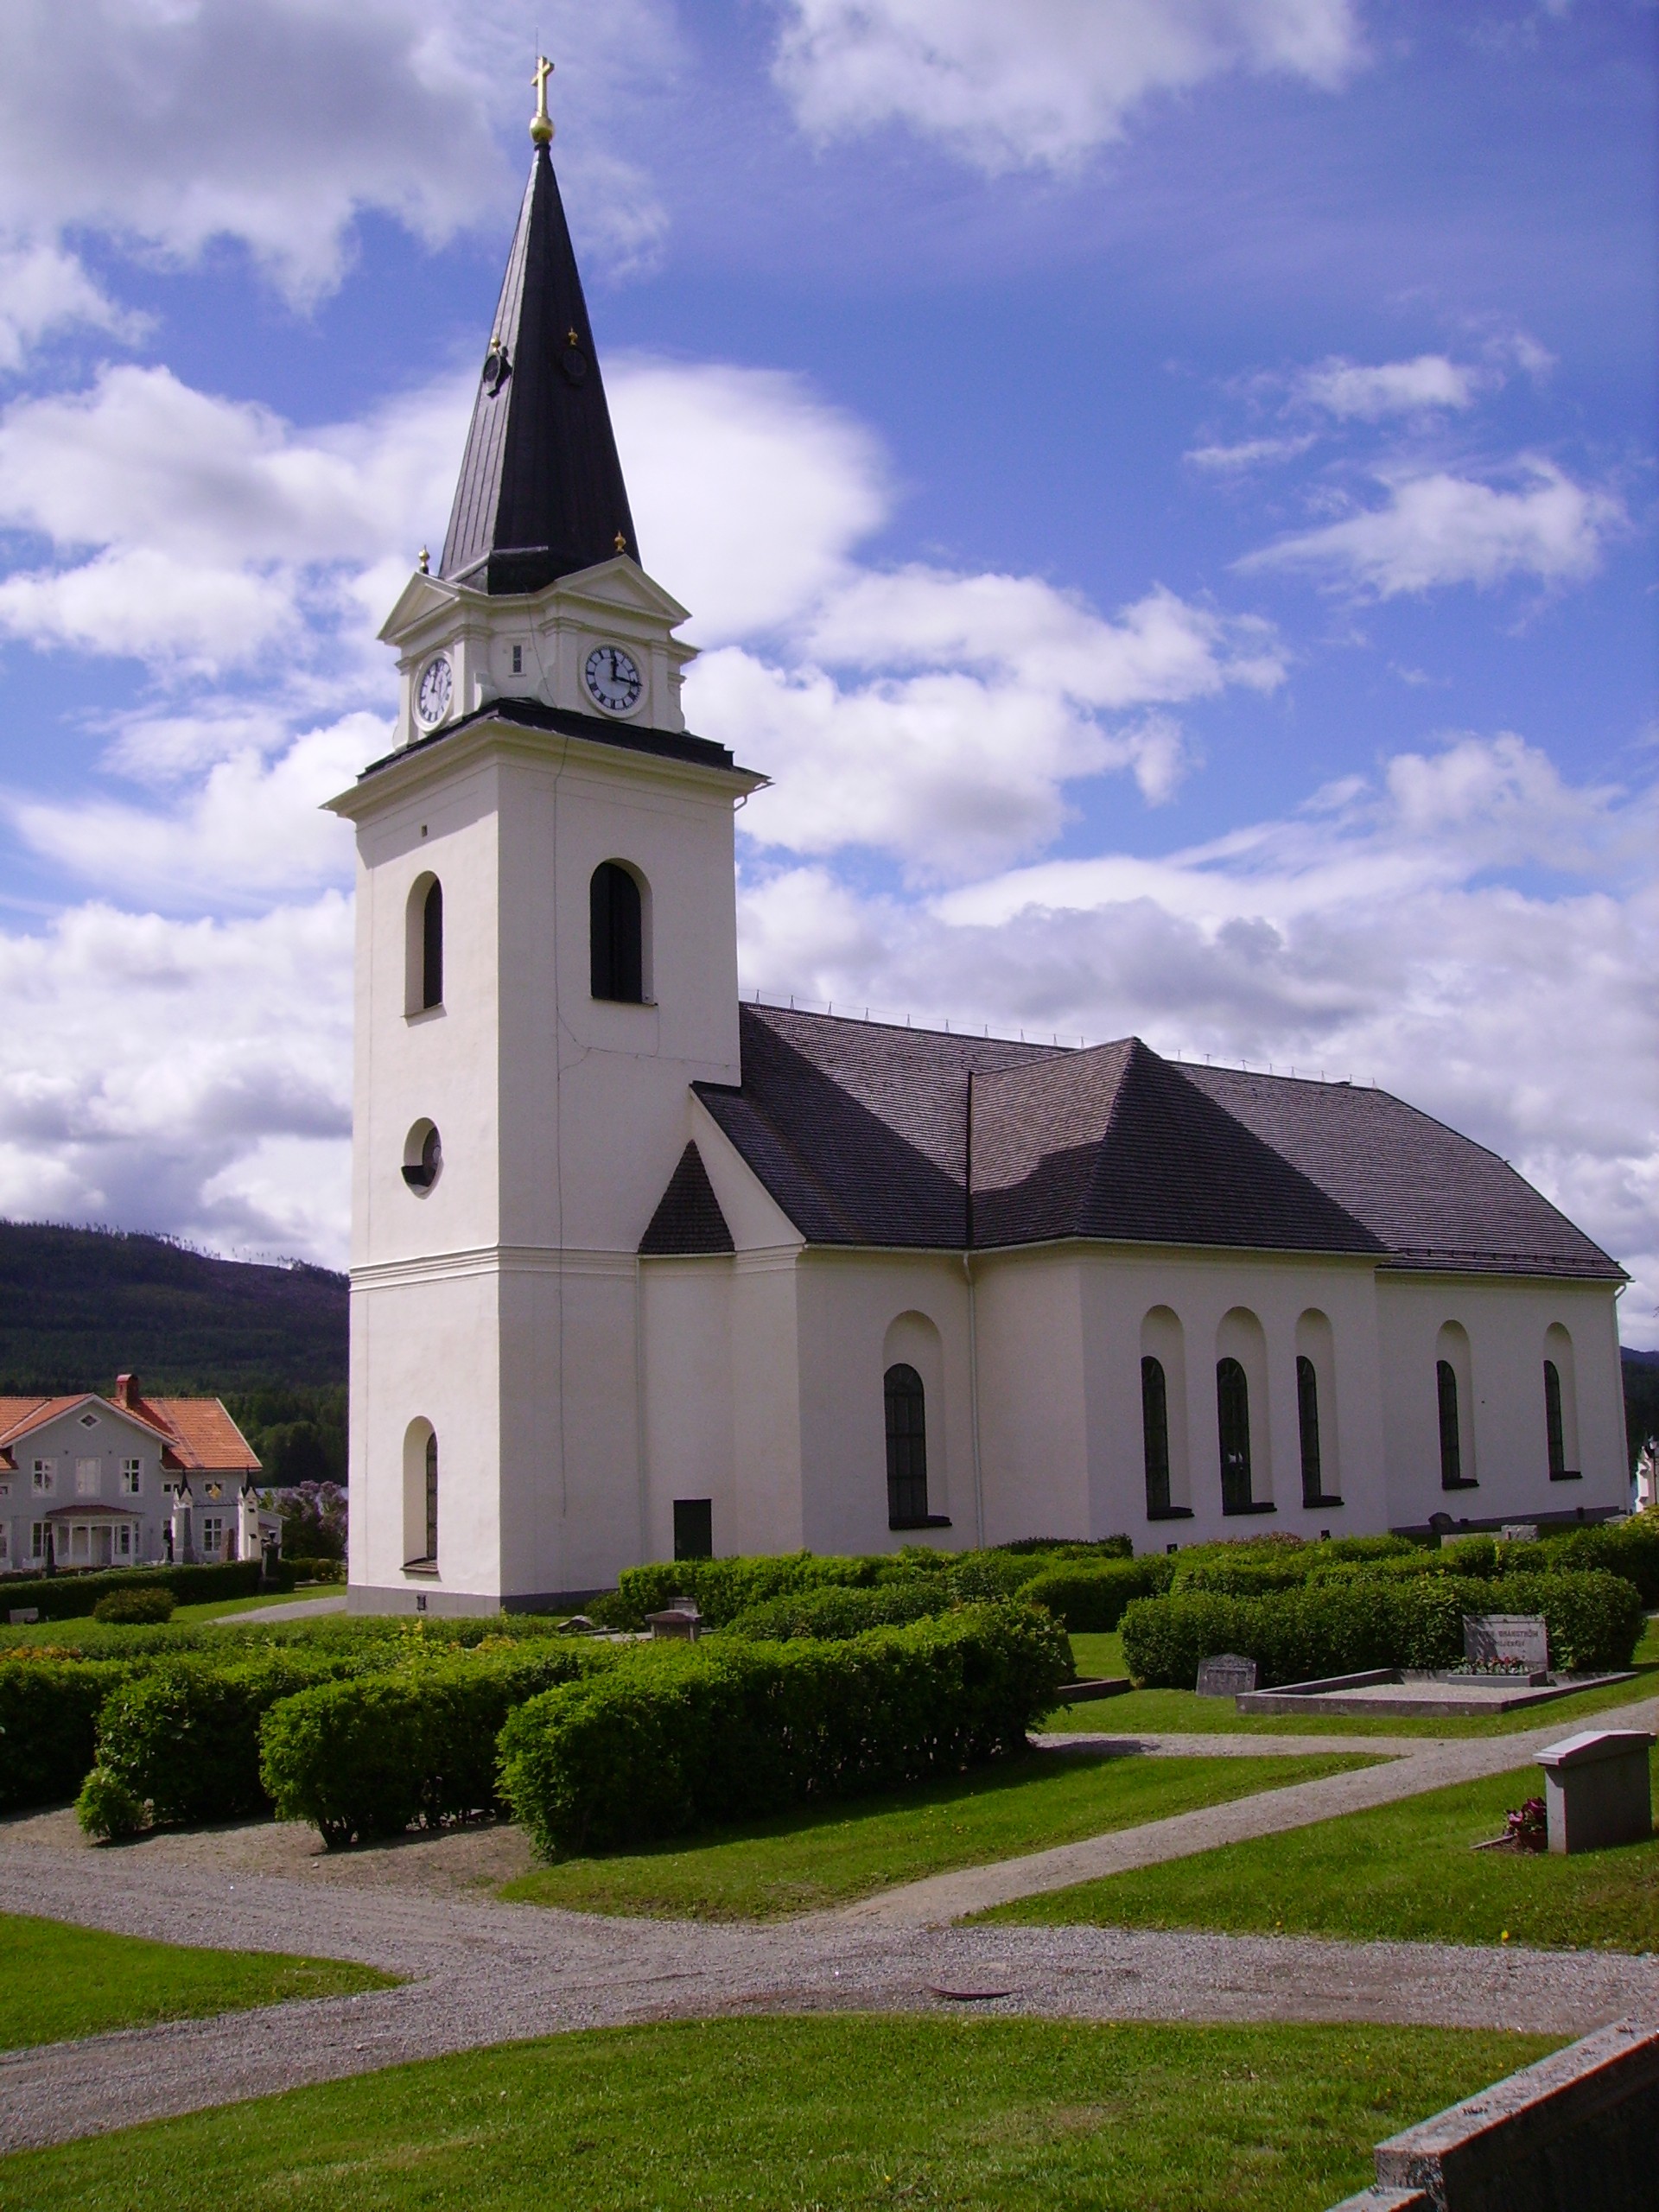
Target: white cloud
column 190, row 1077
column 749, row 493
column 1251, row 452
column 1045, row 82
column 44, row 289
column 1347, row 389
column 1442, row 529
column 277, row 122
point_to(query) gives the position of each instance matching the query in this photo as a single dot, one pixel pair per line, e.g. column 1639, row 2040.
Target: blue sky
column 1165, row 488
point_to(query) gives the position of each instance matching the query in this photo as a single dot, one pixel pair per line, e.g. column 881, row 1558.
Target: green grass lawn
column 831, row 2113
column 1401, row 1873
column 802, row 1861
column 1171, row 1713
column 58, row 1982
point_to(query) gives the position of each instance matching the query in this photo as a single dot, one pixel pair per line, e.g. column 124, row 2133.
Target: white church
column 641, row 1271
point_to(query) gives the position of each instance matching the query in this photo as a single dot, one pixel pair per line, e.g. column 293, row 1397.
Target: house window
column 37, row 1540
column 5, row 1544
column 1445, row 1382
column 1233, row 1414
column 432, row 1498
column 45, row 1477
column 89, row 1477
column 212, row 1534
column 694, row 1528
column 616, row 935
column 1307, row 1418
column 123, row 1540
column 1154, row 1431
column 518, row 660
column 906, row 1411
column 1553, row 1421
column 132, row 1478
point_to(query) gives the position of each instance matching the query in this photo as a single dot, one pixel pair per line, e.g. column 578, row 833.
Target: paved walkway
column 482, row 1972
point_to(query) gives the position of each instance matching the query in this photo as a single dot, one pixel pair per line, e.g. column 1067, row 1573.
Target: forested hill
column 78, row 1307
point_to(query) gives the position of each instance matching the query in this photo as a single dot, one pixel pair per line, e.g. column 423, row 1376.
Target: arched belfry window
column 907, row 1412
column 1445, row 1383
column 1154, row 1431
column 616, row 934
column 1233, row 1417
column 432, row 947
column 1552, row 1423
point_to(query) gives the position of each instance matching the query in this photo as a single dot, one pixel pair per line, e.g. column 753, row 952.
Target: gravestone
column 1520, row 1641
column 1596, row 1790
column 1226, row 1675
column 23, row 1616
column 1520, row 1532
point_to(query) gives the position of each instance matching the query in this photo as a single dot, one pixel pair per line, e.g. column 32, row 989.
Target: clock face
column 432, row 697
column 614, row 679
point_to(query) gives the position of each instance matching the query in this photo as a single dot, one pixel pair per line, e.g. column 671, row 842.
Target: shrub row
column 835, row 1614
column 180, row 1743
column 366, row 1756
column 314, row 1570
column 1334, row 1626
column 67, row 1596
column 720, row 1731
column 1086, row 1599
column 135, row 1608
column 48, row 1724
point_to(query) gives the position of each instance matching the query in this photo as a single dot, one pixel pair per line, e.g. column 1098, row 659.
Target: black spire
column 541, row 492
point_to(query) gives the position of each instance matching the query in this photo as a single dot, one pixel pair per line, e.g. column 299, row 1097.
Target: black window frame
column 432, row 947
column 430, row 1555
column 1307, row 1435
column 694, row 1528
column 616, row 935
column 1154, row 1436
column 1446, row 1400
column 904, row 1400
column 1233, row 1440
column 1555, row 1428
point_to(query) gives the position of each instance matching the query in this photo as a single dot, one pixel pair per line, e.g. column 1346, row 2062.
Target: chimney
column 126, row 1391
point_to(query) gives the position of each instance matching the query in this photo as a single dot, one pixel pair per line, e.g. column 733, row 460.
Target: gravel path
column 290, row 1608
column 480, row 1972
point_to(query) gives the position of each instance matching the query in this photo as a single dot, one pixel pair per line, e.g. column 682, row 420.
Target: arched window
column 1307, row 1416
column 1233, row 1417
column 432, row 1498
column 907, row 1410
column 616, row 938
column 1553, row 1421
column 432, row 947
column 1445, row 1382
column 1154, row 1431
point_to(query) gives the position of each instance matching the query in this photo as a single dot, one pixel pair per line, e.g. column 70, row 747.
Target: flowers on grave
column 1527, row 1828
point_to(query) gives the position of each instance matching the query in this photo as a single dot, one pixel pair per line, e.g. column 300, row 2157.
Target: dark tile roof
column 540, row 493
column 532, row 713
column 863, row 1134
column 687, row 1219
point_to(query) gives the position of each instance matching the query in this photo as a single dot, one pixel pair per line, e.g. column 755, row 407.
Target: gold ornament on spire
column 541, row 124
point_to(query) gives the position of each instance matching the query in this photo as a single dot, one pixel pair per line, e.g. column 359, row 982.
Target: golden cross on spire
column 541, row 124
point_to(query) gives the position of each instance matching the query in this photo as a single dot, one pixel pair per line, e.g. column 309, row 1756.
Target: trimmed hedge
column 132, row 1608
column 834, row 1615
column 1340, row 1625
column 48, row 1724
column 1091, row 1600
column 314, row 1570
column 180, row 1744
column 722, row 1731
column 67, row 1596
column 367, row 1756
column 726, row 1587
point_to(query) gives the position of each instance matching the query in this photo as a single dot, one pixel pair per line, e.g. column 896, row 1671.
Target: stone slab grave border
column 1433, row 1697
column 1574, row 2133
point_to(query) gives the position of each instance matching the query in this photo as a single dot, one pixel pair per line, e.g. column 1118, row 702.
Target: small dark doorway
column 694, row 1528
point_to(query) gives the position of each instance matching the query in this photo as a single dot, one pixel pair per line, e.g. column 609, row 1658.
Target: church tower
column 546, row 960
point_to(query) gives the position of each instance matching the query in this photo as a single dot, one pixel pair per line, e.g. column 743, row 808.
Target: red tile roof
column 199, row 1435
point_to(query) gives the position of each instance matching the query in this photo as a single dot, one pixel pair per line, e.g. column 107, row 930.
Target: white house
column 125, row 1481
column 638, row 1270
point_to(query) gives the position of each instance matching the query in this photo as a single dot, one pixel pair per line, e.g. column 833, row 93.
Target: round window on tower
column 423, row 1157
